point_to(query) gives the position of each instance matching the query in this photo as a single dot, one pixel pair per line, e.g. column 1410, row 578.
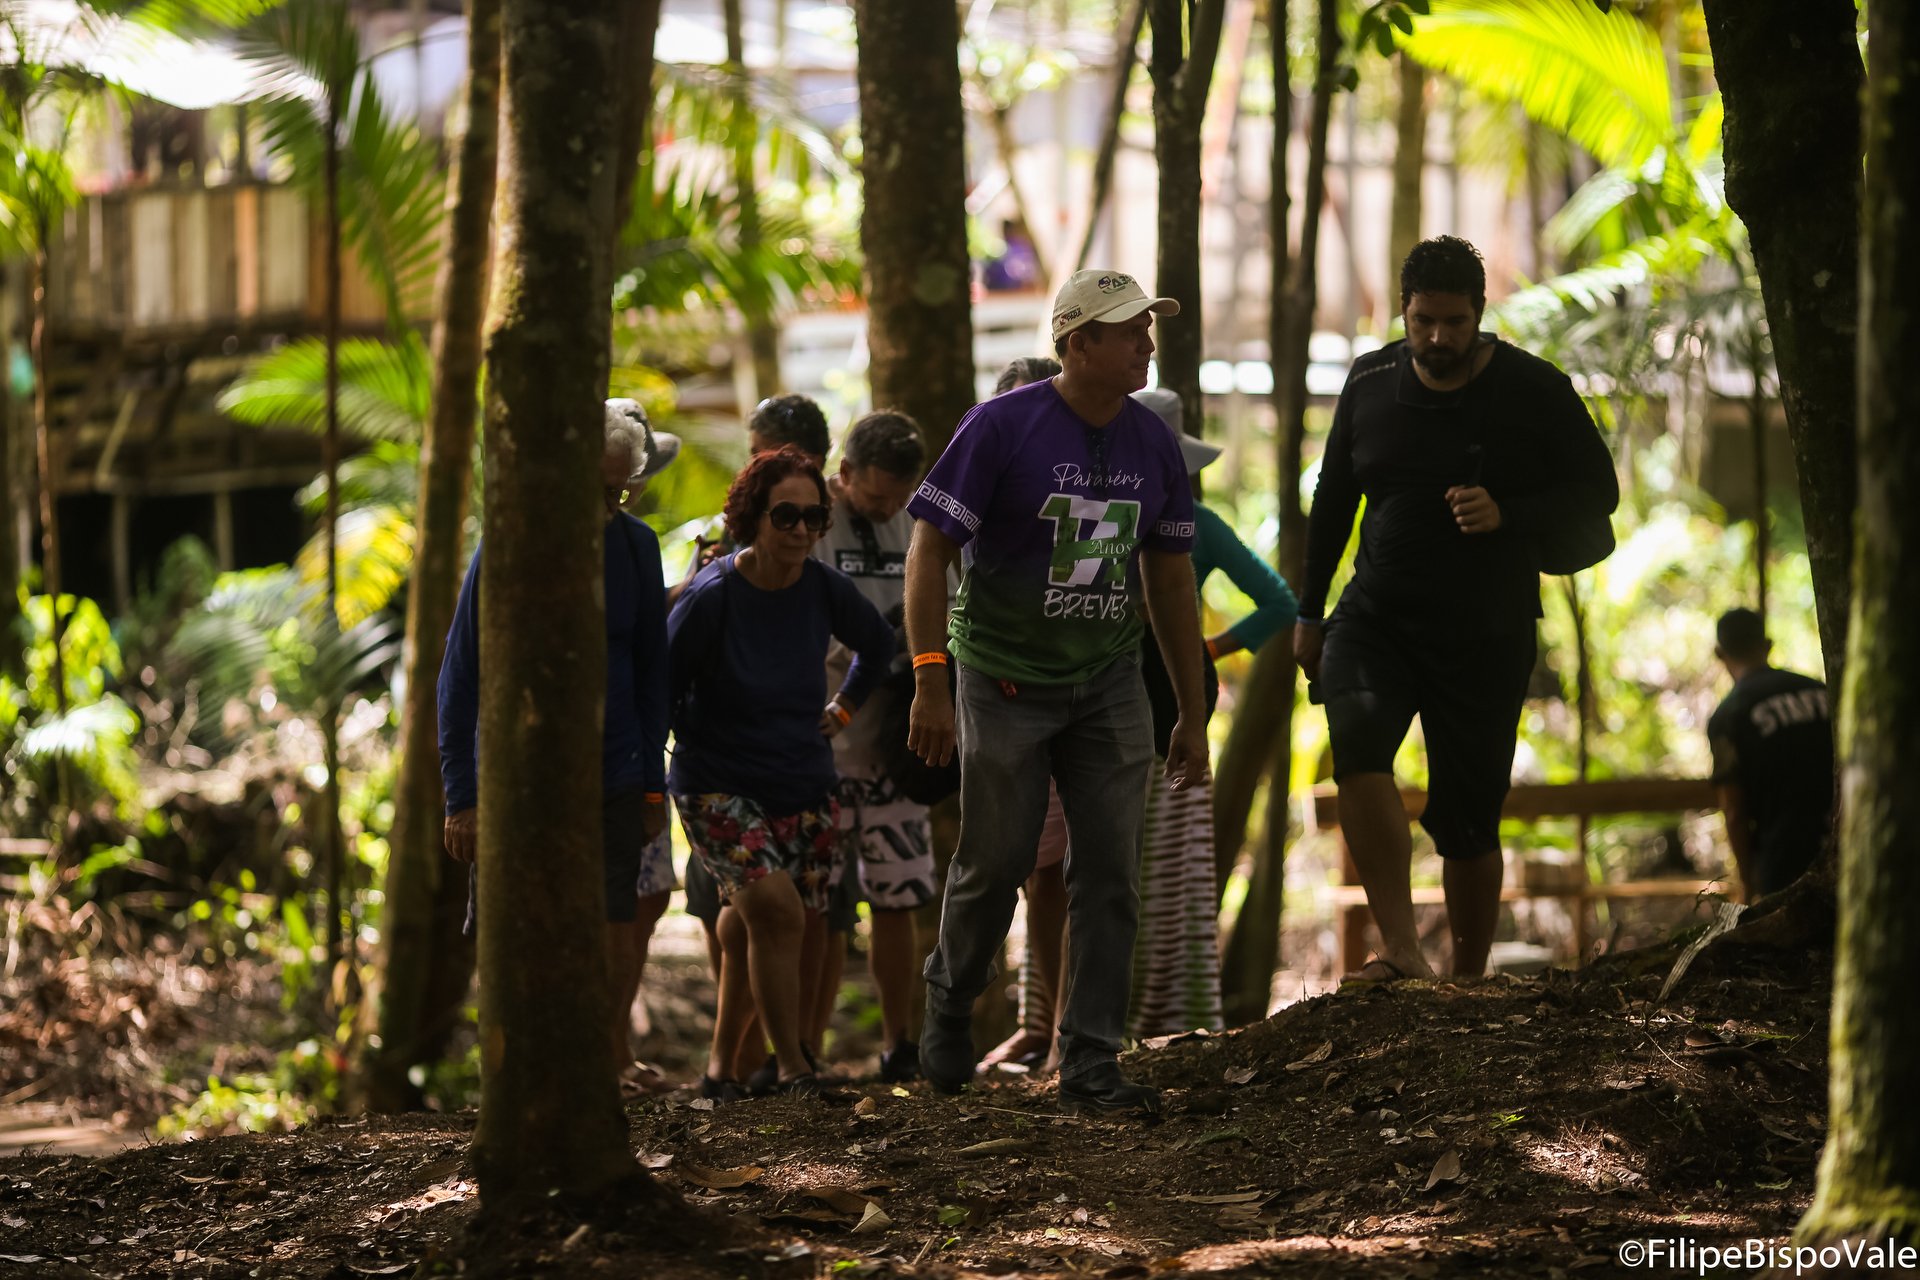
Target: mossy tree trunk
column 639, row 24
column 1409, row 168
column 425, row 964
column 550, row 1118
column 1126, row 55
column 756, row 305
column 1186, row 39
column 1264, row 725
column 1253, row 739
column 913, row 224
column 1869, row 1186
column 1790, row 74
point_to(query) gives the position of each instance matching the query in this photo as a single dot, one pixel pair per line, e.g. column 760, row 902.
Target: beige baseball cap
column 1109, row 296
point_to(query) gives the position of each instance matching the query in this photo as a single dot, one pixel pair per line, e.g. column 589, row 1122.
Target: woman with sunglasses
column 753, row 774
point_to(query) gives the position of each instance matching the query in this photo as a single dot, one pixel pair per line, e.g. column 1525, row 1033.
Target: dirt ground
column 1507, row 1127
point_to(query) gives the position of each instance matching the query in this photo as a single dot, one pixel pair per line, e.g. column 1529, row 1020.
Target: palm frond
column 384, row 389
column 1599, row 78
column 393, row 216
column 375, row 555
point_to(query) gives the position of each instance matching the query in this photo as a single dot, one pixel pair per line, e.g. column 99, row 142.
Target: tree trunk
column 550, row 1117
column 10, row 663
column 1869, row 1184
column 49, row 500
column 1267, row 702
column 1181, row 66
column 1000, row 119
column 1757, row 426
column 1793, row 176
column 424, row 892
column 756, row 307
column 1255, row 940
column 913, row 224
column 332, row 847
column 639, row 24
column 1126, row 54
column 1409, row 167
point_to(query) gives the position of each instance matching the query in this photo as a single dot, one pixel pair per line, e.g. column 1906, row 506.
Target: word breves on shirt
column 1095, row 557
column 1798, row 706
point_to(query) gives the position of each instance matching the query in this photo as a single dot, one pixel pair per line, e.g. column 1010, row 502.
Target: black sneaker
column 766, row 1079
column 717, row 1089
column 1101, row 1088
column 901, row 1064
column 946, row 1050
column 761, row 1082
column 804, row 1086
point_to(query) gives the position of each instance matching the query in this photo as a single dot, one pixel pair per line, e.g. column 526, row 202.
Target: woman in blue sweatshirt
column 753, row 774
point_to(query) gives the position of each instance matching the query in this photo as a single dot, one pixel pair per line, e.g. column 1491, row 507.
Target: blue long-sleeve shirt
column 749, row 681
column 633, row 746
column 1217, row 546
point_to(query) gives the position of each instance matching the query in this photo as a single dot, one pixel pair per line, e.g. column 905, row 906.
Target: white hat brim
column 1197, row 452
column 1126, row 311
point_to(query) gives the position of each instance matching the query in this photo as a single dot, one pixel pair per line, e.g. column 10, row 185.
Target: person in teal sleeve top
column 1176, row 963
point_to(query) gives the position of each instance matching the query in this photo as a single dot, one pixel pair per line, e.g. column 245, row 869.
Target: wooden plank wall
column 162, row 261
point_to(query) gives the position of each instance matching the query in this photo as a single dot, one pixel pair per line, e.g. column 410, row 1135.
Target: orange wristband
column 655, row 797
column 1212, row 652
column 928, row 659
column 840, row 713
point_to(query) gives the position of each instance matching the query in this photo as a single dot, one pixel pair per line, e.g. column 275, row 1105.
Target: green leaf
column 385, row 390
column 1401, row 19
column 1598, row 77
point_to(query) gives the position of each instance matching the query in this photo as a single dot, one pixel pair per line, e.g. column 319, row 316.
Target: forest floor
column 1505, row 1127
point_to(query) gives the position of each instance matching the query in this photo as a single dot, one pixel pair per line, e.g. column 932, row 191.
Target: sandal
column 1376, row 972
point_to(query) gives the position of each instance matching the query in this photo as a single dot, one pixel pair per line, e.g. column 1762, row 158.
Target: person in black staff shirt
column 1468, row 452
column 1772, row 742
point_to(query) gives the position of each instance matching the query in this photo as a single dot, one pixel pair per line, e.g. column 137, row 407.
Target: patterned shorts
column 889, row 843
column 738, row 842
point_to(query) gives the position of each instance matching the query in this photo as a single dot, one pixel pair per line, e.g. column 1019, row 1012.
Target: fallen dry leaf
column 720, row 1179
column 1321, row 1054
column 1240, row 1076
column 845, row 1199
column 873, row 1219
column 1232, row 1197
column 994, row 1147
column 1445, row 1169
column 866, row 1107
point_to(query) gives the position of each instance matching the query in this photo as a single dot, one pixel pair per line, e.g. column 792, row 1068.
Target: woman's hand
column 833, row 718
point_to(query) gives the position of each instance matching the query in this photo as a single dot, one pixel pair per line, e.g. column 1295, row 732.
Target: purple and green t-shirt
column 1054, row 513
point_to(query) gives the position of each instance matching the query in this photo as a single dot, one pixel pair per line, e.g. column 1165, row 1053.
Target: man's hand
column 830, row 722
column 653, row 819
column 461, row 834
column 930, row 731
column 1186, row 754
column 1474, row 509
column 1308, row 637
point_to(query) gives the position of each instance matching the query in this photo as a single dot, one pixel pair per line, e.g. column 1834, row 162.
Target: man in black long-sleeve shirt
column 1469, row 452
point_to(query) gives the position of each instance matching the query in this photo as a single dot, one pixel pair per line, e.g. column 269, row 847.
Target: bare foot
column 1022, row 1048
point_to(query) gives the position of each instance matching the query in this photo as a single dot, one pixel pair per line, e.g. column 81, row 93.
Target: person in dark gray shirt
column 1772, row 740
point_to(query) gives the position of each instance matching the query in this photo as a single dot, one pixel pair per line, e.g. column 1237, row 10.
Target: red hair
column 748, row 498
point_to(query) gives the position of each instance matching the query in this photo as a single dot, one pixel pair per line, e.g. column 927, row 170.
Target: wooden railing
column 1530, row 802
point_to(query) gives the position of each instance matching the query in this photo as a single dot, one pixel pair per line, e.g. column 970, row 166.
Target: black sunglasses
column 785, row 515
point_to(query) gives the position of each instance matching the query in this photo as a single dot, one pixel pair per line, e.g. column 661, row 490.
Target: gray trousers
column 1095, row 740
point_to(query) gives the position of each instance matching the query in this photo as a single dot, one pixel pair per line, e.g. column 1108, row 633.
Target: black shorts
column 623, row 846
column 1377, row 674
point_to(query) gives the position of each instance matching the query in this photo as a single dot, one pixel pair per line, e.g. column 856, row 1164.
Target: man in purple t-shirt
column 1072, row 502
